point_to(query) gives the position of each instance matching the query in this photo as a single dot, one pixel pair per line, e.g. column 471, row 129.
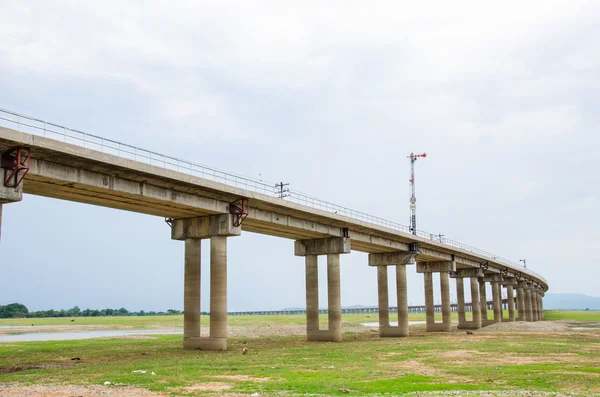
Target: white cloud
column 334, row 95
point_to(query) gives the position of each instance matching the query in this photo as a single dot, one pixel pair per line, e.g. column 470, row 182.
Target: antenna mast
column 282, row 190
column 413, row 199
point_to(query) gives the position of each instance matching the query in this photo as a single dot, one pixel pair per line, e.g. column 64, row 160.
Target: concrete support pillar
column 497, row 302
column 431, row 325
column 399, row 260
column 429, row 306
column 475, row 303
column 442, row 267
column 218, row 287
column 511, row 302
column 312, row 293
column 520, row 303
column 334, row 297
column 310, row 249
column 538, row 315
column 192, row 230
column 460, row 302
column 542, row 305
column 446, row 312
column 534, row 305
column 402, row 300
column 191, row 290
column 528, row 305
column 475, row 323
column 8, row 195
column 483, row 302
column 383, row 294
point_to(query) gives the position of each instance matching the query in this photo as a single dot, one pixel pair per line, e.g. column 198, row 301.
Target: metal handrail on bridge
column 69, row 135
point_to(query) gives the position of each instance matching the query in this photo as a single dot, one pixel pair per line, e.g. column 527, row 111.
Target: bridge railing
column 43, row 128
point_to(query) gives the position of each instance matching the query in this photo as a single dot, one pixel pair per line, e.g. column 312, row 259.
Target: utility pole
column 282, row 190
column 524, row 262
column 413, row 200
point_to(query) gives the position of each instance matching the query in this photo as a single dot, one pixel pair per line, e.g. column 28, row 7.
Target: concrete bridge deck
column 166, row 187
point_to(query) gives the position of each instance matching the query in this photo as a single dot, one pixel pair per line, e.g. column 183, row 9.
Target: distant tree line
column 18, row 310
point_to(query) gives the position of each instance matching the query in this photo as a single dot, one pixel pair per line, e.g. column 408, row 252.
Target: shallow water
column 75, row 335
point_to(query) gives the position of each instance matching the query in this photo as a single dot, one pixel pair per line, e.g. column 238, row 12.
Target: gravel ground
column 524, row 326
column 281, row 330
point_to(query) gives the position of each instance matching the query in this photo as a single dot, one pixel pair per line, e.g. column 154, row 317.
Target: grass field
column 591, row 316
column 177, row 320
column 362, row 365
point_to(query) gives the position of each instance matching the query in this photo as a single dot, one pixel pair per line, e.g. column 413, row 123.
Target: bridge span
column 199, row 202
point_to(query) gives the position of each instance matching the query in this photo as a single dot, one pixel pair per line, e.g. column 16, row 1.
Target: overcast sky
column 503, row 97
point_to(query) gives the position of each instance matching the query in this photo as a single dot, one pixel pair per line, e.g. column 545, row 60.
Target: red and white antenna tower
column 413, row 199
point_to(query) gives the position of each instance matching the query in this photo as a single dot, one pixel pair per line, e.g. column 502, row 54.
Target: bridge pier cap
column 467, row 273
column 392, row 259
column 204, row 227
column 323, row 246
column 436, row 267
column 10, row 194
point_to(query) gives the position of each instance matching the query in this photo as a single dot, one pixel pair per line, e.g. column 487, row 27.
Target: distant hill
column 571, row 302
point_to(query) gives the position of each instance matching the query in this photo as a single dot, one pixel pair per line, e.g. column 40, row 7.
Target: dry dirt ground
column 216, row 387
column 221, row 387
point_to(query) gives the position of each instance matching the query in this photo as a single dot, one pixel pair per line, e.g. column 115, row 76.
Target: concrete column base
column 469, row 325
column 324, row 335
column 437, row 327
column 205, row 343
column 390, row 331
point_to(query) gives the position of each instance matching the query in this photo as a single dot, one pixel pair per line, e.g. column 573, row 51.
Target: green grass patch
column 591, row 316
column 363, row 364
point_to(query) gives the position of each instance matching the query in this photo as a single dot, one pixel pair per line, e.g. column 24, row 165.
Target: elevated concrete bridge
column 48, row 160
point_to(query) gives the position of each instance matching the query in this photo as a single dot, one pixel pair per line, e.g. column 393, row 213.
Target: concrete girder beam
column 67, row 182
column 467, row 273
column 203, row 197
column 509, row 281
column 492, row 270
column 466, row 262
column 322, row 246
column 436, row 267
column 426, row 252
column 266, row 222
column 204, row 227
column 392, row 258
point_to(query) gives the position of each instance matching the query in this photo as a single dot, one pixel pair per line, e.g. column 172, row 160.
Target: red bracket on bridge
column 484, row 266
column 16, row 163
column 239, row 210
